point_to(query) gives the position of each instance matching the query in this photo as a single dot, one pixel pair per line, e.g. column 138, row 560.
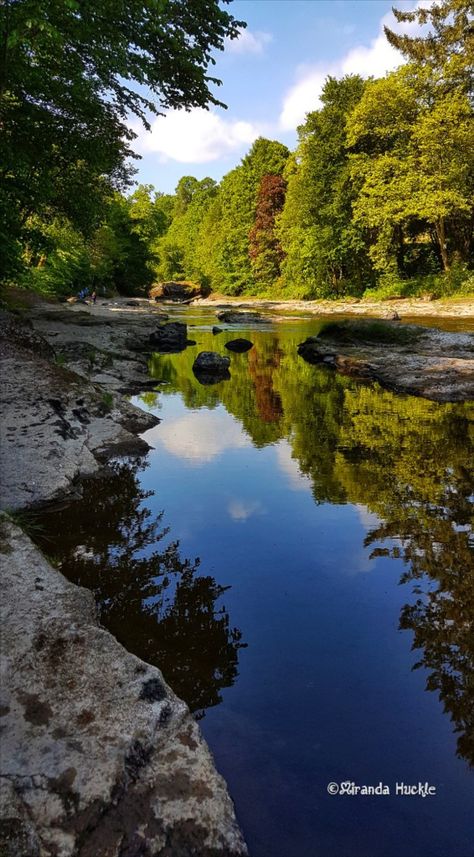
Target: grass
column 107, row 400
column 27, row 521
column 371, row 331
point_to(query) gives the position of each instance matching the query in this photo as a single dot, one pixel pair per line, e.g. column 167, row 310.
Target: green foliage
column 377, row 200
column 413, row 158
column 68, row 81
column 326, row 254
column 57, row 257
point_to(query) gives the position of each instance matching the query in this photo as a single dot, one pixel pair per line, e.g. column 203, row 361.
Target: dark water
column 326, row 632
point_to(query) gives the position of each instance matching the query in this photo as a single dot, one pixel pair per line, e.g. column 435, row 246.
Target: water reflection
column 406, row 460
column 155, row 602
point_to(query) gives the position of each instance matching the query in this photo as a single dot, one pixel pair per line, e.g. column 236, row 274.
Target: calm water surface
column 296, row 554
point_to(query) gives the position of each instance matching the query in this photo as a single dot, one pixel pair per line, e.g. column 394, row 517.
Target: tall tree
column 234, row 215
column 413, row 157
column 265, row 249
column 325, row 250
column 448, row 46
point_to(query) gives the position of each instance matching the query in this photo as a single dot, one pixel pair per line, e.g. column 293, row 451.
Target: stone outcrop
column 99, row 757
column 232, row 317
column 210, row 367
column 179, row 292
column 410, row 359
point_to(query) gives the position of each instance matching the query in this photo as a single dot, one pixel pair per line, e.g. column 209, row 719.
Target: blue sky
column 272, row 75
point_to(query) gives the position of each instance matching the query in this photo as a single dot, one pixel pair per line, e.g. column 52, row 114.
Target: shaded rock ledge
column 99, row 757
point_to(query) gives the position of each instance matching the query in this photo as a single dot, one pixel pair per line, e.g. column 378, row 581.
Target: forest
column 376, row 201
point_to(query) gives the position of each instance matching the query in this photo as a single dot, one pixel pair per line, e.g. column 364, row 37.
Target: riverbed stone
column 99, row 757
column 210, row 367
column 169, row 338
column 211, row 361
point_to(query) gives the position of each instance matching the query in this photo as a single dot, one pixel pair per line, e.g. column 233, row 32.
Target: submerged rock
column 216, row 330
column 103, row 758
column 169, row 338
column 239, row 345
column 210, row 367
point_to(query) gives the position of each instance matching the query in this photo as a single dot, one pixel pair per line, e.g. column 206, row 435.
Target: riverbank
column 404, row 307
column 98, row 755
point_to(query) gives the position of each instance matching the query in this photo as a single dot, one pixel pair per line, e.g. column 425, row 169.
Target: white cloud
column 248, row 42
column 301, row 98
column 374, row 59
column 195, row 136
column 200, row 437
column 240, row 511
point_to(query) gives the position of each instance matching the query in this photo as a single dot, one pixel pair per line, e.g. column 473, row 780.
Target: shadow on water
column 156, row 603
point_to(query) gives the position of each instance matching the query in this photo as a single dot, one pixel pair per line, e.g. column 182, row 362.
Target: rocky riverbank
column 405, row 308
column 99, row 757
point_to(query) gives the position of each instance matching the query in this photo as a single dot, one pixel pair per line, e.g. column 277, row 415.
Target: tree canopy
column 72, row 74
column 377, row 198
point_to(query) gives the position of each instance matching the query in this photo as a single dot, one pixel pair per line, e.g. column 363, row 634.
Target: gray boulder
column 100, row 757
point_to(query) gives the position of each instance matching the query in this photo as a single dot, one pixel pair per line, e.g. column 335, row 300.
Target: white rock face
column 99, row 757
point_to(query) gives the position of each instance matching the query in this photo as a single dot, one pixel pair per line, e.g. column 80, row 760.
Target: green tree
column 72, row 72
column 178, row 252
column 233, row 216
column 448, row 46
column 326, row 251
column 413, row 160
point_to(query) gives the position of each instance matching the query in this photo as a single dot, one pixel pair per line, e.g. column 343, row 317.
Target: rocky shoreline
column 420, row 361
column 405, row 308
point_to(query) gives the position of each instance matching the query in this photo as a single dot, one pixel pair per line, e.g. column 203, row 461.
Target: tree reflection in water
column 153, row 601
column 406, row 459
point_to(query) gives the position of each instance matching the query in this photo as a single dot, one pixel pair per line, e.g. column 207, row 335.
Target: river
column 296, row 554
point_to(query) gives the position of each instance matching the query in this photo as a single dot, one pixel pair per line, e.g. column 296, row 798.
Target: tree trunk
column 441, row 236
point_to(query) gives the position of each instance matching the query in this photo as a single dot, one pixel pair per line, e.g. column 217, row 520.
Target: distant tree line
column 377, row 199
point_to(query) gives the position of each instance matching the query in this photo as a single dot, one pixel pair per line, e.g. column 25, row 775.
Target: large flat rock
column 99, row 757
